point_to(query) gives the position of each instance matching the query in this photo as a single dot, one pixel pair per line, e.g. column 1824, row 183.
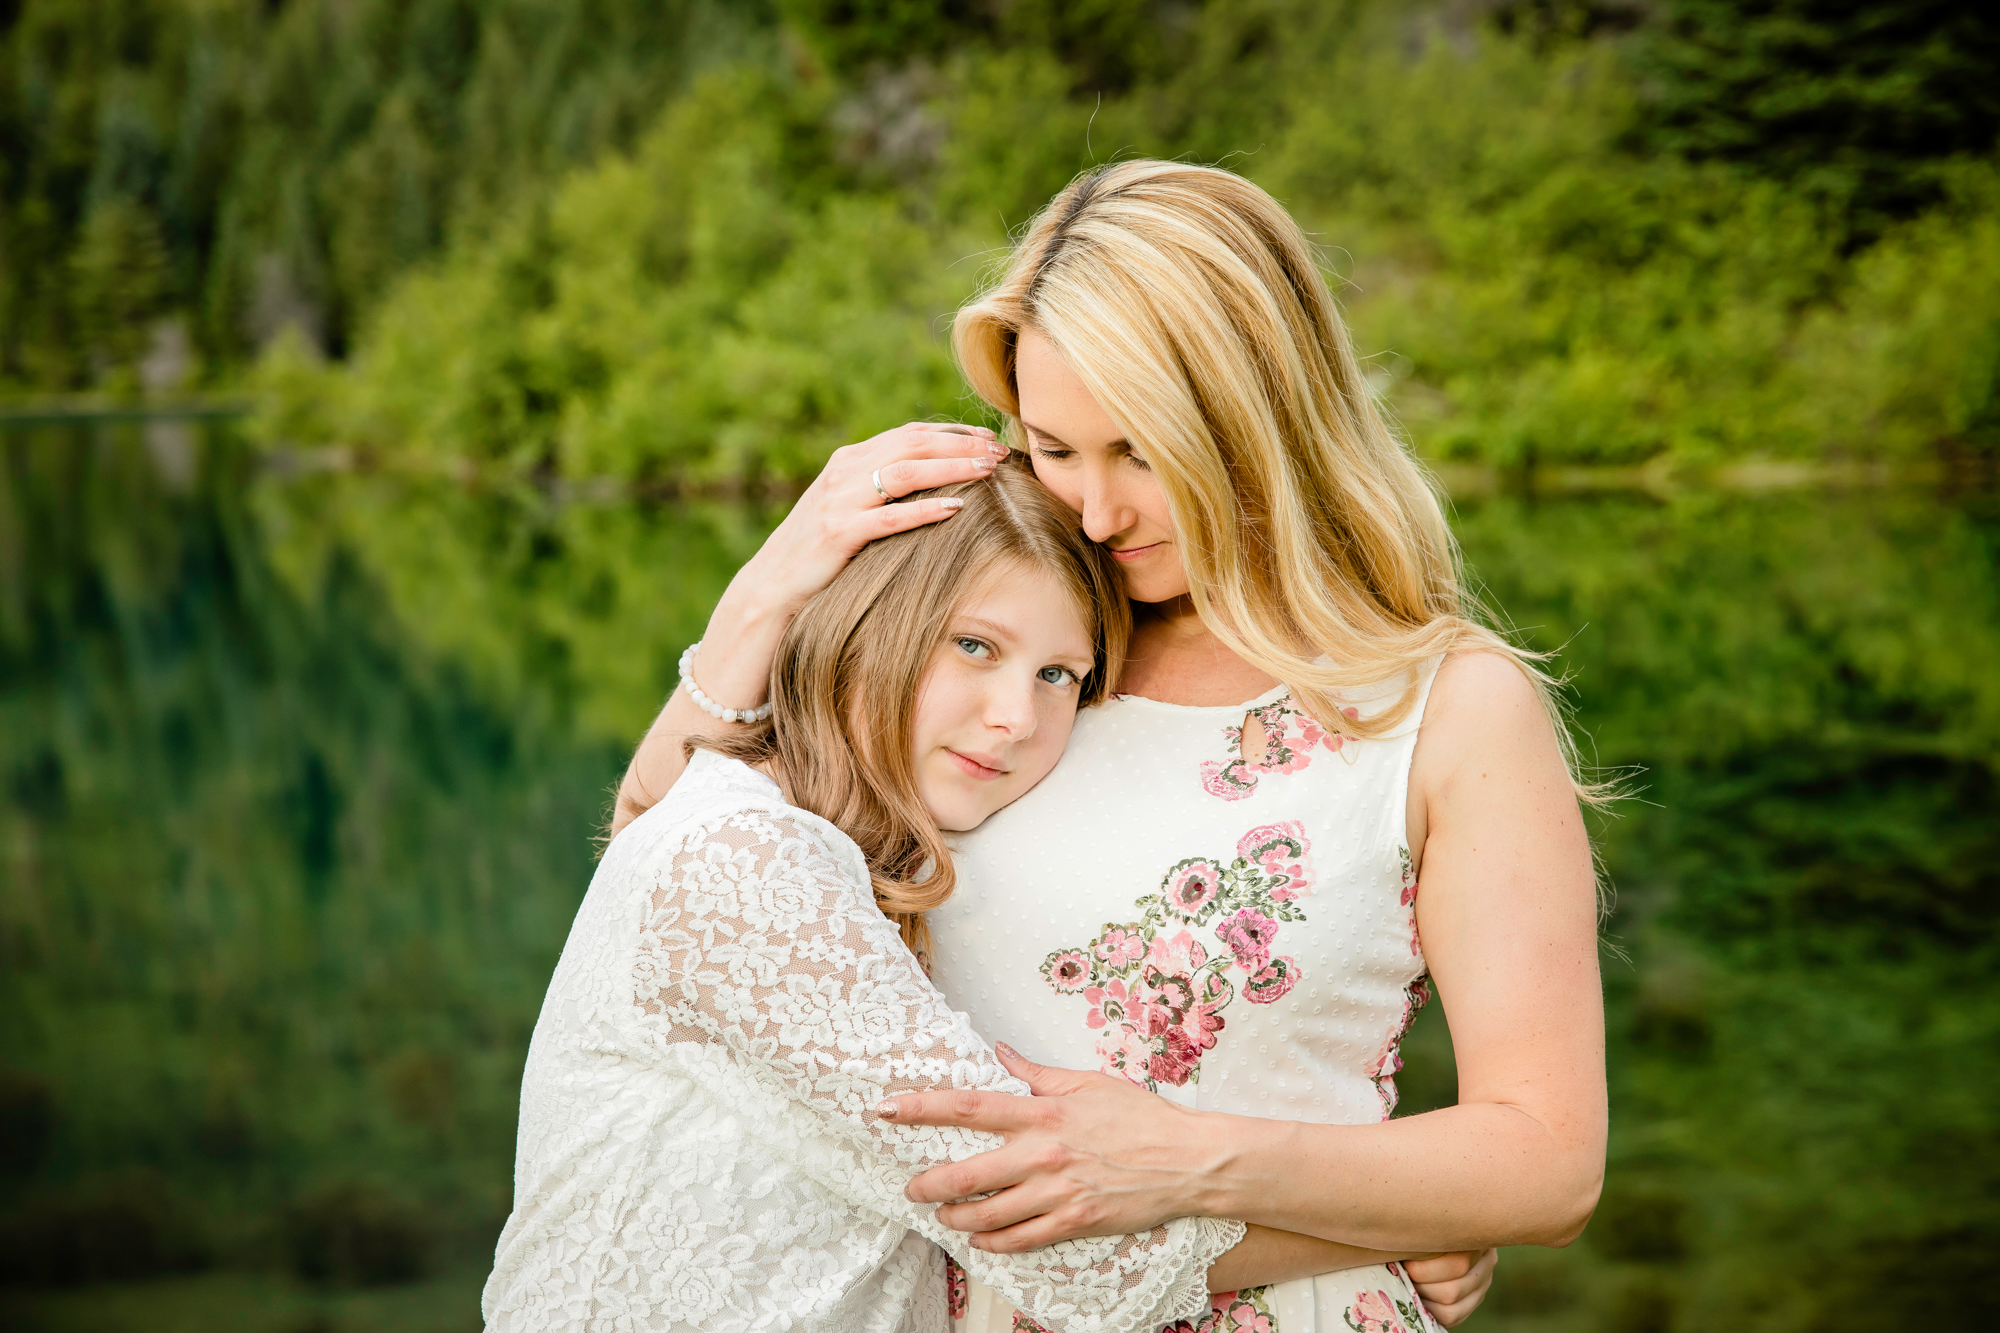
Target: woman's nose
column 1105, row 514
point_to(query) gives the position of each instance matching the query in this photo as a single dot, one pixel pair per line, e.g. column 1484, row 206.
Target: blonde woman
column 1324, row 793
column 700, row 1146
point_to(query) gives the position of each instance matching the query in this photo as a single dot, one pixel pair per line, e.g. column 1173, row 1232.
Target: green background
column 540, row 311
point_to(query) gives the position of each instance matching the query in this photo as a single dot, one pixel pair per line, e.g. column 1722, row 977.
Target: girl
column 699, row 1139
column 1215, row 901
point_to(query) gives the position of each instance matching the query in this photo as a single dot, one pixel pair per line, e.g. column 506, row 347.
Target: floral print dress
column 1235, row 932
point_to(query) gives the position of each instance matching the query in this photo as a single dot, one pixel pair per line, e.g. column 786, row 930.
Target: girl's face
column 1084, row 458
column 999, row 697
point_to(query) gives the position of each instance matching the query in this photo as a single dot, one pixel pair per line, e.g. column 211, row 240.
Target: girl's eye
column 972, row 647
column 1055, row 675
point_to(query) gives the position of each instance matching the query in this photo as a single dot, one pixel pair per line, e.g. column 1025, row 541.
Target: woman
column 1310, row 723
column 699, row 1144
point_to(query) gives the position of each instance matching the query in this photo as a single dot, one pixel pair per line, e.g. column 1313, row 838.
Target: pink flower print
column 954, row 1288
column 1273, row 982
column 1227, row 781
column 1249, row 935
column 1389, row 1059
column 1109, row 1004
column 1243, row 1317
column 1123, row 1052
column 1373, row 1312
column 1280, row 851
column 1182, row 953
column 1190, row 887
column 1119, row 948
column 1174, row 1058
column 1067, row 970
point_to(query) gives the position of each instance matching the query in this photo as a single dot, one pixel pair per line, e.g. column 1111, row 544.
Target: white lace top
column 698, row 1142
column 1238, row 936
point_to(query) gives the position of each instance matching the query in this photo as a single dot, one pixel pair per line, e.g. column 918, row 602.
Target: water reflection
column 302, row 770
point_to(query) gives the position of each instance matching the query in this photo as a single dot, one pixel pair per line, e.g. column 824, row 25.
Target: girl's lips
column 972, row 768
column 1133, row 552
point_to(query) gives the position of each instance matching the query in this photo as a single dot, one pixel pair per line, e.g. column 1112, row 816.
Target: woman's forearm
column 1265, row 1256
column 733, row 668
column 1463, row 1178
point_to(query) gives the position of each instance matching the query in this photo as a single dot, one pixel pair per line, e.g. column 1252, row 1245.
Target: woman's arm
column 1507, row 916
column 838, row 515
column 1265, row 1256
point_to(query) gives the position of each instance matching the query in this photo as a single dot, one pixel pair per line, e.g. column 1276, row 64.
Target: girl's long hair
column 848, row 671
column 1192, row 307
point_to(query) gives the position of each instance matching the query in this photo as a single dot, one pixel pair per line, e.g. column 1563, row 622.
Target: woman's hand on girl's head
column 840, row 513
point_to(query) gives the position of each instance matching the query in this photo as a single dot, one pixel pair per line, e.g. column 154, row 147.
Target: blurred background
column 388, row 389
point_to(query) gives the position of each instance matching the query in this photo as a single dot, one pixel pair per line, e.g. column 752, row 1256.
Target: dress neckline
column 1264, row 700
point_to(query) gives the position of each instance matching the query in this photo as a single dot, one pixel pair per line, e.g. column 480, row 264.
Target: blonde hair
column 849, row 669
column 1192, row 307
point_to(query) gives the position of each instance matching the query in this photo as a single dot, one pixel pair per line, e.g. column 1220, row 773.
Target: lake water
column 302, row 770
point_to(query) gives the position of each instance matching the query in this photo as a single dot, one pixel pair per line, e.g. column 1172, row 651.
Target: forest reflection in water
column 302, row 771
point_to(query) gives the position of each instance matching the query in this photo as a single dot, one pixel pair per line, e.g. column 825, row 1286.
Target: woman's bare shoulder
column 1483, row 708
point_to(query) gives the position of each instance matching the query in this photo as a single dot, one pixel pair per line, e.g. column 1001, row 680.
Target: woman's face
column 1080, row 453
column 999, row 697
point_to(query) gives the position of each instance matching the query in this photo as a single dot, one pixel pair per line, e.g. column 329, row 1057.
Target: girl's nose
column 1010, row 706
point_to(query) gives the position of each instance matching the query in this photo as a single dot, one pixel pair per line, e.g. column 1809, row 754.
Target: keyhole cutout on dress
column 1253, row 739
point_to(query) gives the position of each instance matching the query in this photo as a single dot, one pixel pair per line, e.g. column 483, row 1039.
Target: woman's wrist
column 738, row 647
column 1240, row 1165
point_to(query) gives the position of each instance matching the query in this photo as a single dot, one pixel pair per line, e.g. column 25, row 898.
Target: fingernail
column 951, row 502
column 997, row 449
column 887, row 1110
column 1006, row 1050
column 985, row 464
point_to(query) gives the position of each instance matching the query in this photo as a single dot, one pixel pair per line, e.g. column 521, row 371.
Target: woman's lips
column 973, row 768
column 1133, row 552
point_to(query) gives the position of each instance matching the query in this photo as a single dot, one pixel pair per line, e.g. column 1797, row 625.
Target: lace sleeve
column 757, row 938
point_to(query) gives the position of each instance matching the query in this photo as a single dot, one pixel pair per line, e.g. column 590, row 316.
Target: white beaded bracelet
column 710, row 706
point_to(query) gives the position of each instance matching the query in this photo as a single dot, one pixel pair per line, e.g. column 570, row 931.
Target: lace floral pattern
column 1290, row 736
column 699, row 1146
column 1156, row 991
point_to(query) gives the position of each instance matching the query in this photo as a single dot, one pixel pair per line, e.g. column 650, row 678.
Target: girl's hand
column 1451, row 1286
column 1056, row 1178
column 840, row 513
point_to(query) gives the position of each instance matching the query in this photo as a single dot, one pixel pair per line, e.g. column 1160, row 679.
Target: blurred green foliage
column 303, row 746
column 1848, row 101
column 767, row 275
column 255, row 166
